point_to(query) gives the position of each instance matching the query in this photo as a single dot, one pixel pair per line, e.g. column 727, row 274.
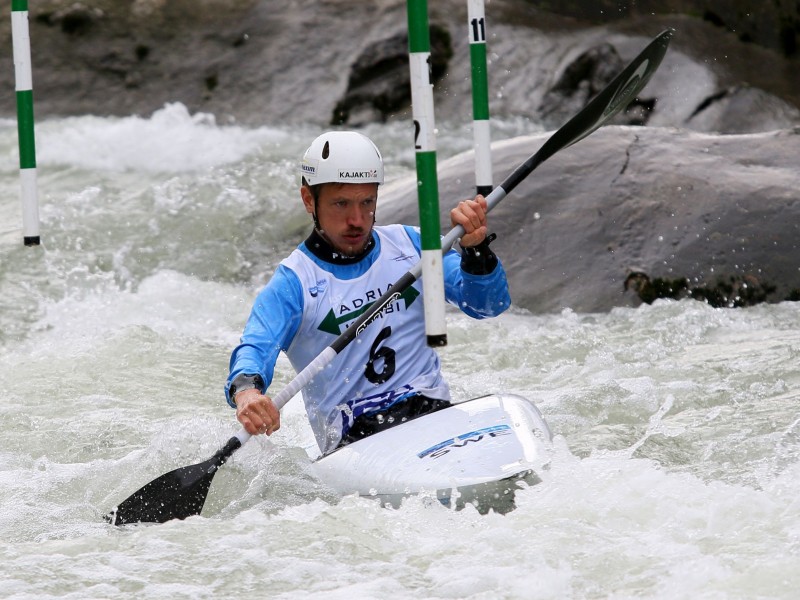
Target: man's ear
column 308, row 199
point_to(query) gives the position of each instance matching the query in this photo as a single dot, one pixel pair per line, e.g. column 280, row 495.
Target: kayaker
column 388, row 374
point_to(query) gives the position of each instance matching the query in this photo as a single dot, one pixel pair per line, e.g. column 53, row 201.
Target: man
column 388, row 374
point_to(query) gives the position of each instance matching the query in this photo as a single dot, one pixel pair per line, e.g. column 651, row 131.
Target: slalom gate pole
column 27, row 146
column 419, row 55
column 476, row 18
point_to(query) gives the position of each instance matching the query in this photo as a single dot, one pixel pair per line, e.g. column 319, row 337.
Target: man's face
column 345, row 212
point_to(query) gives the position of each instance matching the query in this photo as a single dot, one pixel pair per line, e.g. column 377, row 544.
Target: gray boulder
column 664, row 202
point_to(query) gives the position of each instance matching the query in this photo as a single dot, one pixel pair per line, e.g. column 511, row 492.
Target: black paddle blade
column 615, row 97
column 175, row 495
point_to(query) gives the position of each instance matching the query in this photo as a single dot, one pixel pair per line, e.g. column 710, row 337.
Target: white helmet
column 342, row 157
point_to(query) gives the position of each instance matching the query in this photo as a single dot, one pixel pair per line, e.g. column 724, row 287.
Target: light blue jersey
column 309, row 302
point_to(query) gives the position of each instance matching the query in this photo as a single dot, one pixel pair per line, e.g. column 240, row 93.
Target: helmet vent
column 326, row 150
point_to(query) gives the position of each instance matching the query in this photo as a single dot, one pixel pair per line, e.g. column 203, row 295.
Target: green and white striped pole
column 476, row 17
column 27, row 147
column 419, row 46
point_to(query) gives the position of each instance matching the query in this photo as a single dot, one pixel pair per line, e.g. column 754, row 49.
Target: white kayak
column 477, row 451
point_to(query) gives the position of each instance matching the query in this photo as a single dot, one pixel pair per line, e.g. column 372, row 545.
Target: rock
column 579, row 83
column 667, row 203
column 380, row 84
column 245, row 61
column 75, row 19
column 742, row 109
column 732, row 291
column 775, row 25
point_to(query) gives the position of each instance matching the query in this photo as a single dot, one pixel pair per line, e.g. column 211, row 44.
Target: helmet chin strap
column 318, row 227
column 316, row 220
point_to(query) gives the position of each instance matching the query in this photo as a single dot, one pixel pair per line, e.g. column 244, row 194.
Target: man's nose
column 356, row 215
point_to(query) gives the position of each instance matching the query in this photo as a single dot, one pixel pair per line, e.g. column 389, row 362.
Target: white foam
column 170, row 140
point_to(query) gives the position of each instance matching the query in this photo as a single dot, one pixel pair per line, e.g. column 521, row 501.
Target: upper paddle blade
column 175, row 495
column 611, row 100
column 615, row 97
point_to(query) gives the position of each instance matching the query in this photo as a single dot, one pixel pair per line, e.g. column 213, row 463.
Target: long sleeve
column 479, row 296
column 272, row 325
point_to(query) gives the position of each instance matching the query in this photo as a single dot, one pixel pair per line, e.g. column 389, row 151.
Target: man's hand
column 257, row 413
column 471, row 215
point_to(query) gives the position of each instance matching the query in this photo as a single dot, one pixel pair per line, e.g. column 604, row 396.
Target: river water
column 675, row 470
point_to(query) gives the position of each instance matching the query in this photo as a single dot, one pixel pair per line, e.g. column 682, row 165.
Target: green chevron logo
column 332, row 324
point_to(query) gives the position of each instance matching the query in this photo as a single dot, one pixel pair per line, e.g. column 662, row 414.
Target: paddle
column 182, row 493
